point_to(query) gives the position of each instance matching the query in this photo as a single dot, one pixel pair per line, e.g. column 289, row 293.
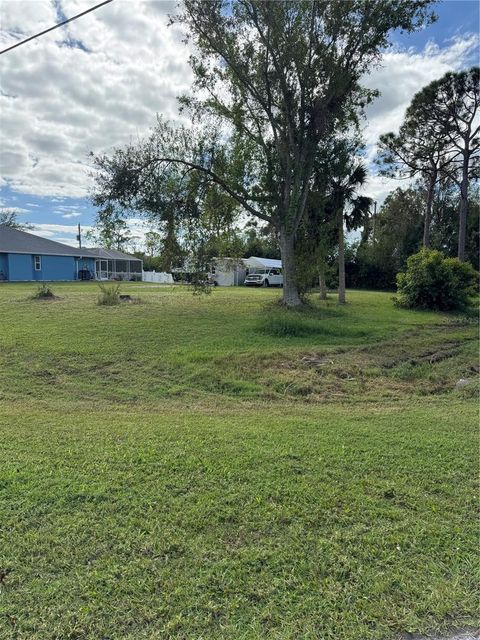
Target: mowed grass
column 216, row 467
column 234, row 343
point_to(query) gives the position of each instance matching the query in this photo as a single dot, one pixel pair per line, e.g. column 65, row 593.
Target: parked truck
column 268, row 277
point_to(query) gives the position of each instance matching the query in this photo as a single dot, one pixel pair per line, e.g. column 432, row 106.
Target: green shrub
column 109, row 294
column 432, row 281
column 43, row 292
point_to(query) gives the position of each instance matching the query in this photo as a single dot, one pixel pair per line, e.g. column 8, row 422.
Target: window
column 38, row 263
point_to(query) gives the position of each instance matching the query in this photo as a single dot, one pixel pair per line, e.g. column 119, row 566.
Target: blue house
column 27, row 257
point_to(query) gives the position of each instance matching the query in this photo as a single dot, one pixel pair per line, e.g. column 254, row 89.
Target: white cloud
column 44, row 229
column 400, row 76
column 138, row 229
column 67, row 233
column 18, row 210
column 404, row 73
column 21, row 19
column 98, row 82
column 60, row 102
column 71, row 215
column 59, row 232
column 65, row 240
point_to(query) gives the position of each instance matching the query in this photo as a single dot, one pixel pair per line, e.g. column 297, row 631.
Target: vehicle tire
column 266, row 283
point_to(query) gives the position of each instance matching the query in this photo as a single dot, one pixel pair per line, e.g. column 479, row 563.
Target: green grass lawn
column 218, row 468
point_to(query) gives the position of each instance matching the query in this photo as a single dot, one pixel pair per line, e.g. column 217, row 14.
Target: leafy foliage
column 388, row 239
column 333, row 203
column 454, row 101
column 445, row 228
column 439, row 138
column 272, row 80
column 110, row 228
column 43, row 292
column 395, row 233
column 433, row 281
column 109, row 294
column 419, row 150
column 349, row 207
column 9, row 218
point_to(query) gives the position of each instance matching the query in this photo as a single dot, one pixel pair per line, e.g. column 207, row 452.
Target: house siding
column 86, row 263
column 59, row 261
column 3, row 266
column 19, row 267
column 56, row 268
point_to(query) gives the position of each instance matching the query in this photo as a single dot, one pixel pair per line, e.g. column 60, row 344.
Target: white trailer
column 227, row 272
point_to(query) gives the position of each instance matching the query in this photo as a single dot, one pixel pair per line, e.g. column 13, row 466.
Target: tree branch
column 215, row 178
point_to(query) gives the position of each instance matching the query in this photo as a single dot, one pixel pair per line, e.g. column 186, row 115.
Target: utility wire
column 60, row 24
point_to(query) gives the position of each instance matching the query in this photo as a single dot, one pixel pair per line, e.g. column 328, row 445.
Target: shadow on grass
column 306, row 321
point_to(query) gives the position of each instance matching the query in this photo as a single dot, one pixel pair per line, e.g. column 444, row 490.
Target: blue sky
column 99, row 82
column 455, row 17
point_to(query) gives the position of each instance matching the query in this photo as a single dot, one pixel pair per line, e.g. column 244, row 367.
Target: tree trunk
column 428, row 213
column 291, row 297
column 321, row 281
column 341, row 260
column 463, row 213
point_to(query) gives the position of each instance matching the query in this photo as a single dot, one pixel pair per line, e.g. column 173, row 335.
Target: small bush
column 109, row 294
column 43, row 292
column 432, row 281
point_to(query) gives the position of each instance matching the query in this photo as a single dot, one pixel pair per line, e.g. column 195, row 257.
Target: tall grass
column 109, row 294
column 291, row 324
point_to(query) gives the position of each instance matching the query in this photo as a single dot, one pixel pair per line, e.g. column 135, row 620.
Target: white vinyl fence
column 159, row 277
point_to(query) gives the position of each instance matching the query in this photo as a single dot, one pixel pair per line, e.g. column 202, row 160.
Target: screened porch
column 112, row 269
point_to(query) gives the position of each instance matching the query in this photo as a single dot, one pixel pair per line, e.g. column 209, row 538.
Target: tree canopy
column 272, row 80
column 439, row 137
column 9, row 218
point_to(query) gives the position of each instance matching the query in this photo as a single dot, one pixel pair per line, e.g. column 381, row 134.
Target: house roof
column 262, row 263
column 111, row 254
column 16, row 241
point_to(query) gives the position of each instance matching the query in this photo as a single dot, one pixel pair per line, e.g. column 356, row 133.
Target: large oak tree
column 279, row 77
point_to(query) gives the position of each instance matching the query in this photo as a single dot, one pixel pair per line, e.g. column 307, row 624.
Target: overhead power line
column 60, row 24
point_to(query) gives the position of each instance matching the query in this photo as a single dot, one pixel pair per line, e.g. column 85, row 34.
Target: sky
column 98, row 82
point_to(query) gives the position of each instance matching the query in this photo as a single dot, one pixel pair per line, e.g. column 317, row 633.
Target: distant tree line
column 397, row 232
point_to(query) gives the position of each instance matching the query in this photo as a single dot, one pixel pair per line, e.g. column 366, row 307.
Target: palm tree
column 350, row 208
